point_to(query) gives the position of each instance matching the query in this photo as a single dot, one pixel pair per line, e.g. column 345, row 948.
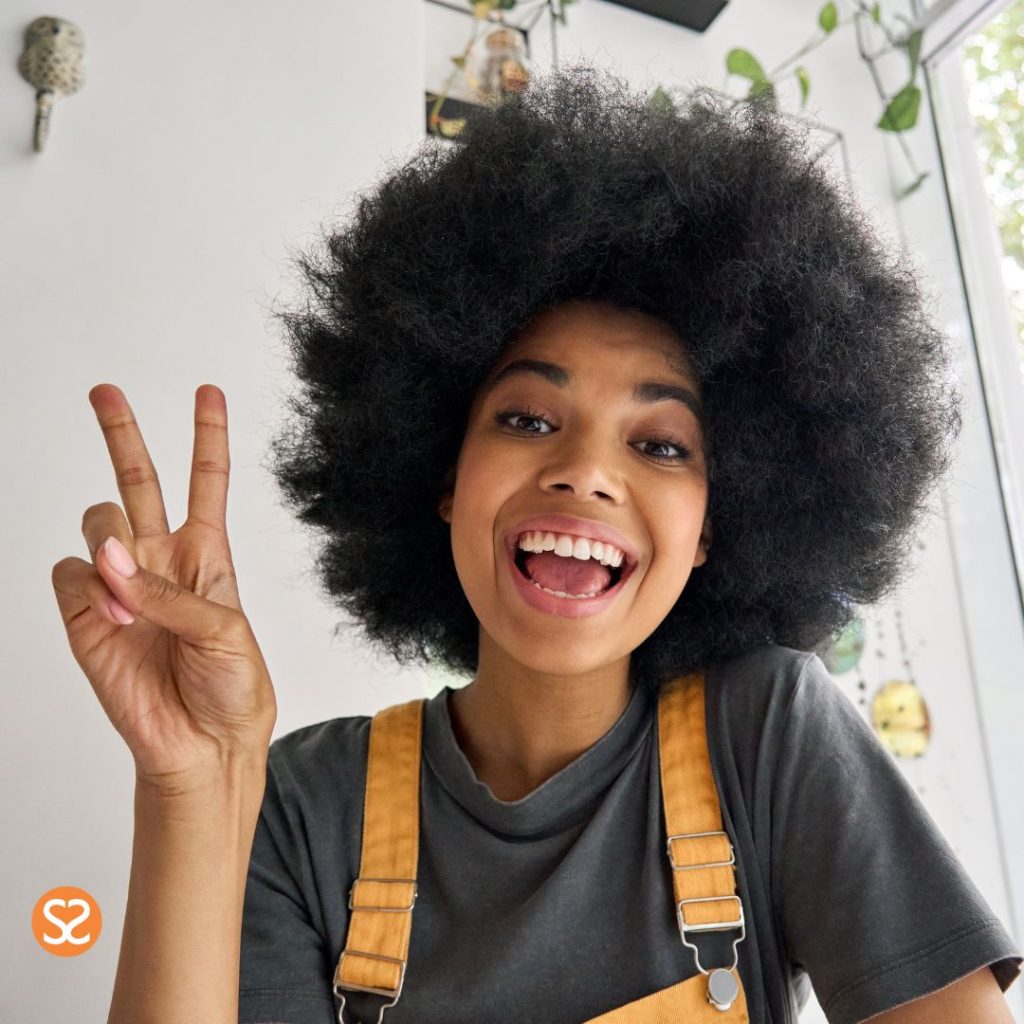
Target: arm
column 974, row 999
column 155, row 622
column 180, row 947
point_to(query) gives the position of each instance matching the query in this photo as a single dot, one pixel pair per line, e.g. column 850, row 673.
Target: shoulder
column 763, row 684
column 321, row 764
column 777, row 703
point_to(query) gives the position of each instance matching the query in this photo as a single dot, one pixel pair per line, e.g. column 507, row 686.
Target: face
column 573, row 438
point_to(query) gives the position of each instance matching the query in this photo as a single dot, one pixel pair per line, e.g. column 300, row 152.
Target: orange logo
column 66, row 921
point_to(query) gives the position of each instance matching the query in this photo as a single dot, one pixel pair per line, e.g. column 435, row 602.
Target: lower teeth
column 560, row 593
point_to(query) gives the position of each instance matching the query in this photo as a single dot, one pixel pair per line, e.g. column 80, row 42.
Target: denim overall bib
column 699, row 851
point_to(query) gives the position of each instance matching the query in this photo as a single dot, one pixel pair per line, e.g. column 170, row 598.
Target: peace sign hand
column 185, row 684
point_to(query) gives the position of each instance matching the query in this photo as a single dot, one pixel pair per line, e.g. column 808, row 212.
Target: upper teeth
column 567, row 546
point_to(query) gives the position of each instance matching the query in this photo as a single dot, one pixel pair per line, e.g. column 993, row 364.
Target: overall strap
column 382, row 897
column 699, row 850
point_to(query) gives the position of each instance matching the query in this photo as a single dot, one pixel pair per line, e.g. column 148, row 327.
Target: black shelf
column 693, row 14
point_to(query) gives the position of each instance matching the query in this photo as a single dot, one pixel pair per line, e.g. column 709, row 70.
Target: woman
column 608, row 405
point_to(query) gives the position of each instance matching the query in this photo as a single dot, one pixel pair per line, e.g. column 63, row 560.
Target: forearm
column 179, row 958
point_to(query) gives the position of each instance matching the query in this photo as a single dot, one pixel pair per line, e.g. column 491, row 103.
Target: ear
column 444, row 505
column 704, row 543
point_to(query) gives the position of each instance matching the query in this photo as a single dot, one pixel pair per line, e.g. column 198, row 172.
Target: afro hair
column 830, row 406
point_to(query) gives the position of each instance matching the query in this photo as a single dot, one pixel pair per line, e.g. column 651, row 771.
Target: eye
column 684, row 452
column 526, row 414
column 531, row 415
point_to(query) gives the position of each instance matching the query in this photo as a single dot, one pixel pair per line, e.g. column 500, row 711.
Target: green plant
column 901, row 108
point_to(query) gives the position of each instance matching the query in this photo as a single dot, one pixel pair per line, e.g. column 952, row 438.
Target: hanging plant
column 900, row 110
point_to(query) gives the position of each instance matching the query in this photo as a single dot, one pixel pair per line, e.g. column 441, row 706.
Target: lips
column 567, row 607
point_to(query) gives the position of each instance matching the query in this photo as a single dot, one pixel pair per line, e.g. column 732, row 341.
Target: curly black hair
column 830, row 405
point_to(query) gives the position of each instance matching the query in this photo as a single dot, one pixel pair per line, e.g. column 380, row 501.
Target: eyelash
column 528, row 413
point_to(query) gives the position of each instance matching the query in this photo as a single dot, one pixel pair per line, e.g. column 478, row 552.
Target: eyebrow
column 645, row 391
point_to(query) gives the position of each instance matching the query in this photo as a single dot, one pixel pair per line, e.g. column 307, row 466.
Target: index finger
column 136, row 477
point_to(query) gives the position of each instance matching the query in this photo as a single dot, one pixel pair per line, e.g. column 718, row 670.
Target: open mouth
column 615, row 577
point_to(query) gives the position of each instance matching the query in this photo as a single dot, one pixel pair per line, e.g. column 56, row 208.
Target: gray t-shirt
column 558, row 907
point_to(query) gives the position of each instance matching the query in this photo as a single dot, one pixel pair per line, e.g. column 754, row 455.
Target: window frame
column 983, row 502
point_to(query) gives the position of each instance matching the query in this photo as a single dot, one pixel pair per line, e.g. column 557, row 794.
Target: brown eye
column 684, row 453
column 524, row 414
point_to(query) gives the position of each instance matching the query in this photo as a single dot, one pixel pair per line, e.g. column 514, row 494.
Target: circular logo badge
column 66, row 921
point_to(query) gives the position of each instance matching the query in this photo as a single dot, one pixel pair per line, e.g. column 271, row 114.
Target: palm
column 172, row 699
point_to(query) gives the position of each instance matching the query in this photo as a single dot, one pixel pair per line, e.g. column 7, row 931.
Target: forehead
column 583, row 328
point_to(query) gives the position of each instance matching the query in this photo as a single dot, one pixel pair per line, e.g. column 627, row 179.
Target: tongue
column 569, row 575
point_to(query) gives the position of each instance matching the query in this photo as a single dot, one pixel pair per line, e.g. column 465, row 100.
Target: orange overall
column 699, row 851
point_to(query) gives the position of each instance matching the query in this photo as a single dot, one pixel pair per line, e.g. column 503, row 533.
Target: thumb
column 156, row 598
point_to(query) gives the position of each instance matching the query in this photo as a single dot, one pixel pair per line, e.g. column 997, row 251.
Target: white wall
column 144, row 248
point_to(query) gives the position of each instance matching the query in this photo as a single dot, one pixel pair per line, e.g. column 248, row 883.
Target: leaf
column 459, row 61
column 876, row 13
column 913, row 45
column 482, row 8
column 901, row 113
column 913, row 186
column 743, row 63
column 829, row 17
column 763, row 90
column 659, row 99
column 805, row 83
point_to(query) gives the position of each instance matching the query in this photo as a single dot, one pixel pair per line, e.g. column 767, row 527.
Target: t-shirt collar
column 559, row 800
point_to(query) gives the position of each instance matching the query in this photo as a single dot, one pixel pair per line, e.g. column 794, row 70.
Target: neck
column 518, row 727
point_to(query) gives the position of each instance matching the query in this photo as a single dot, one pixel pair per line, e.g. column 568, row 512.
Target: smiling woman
column 827, row 411
column 615, row 411
column 598, row 461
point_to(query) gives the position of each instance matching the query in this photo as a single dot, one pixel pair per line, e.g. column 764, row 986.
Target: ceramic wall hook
column 52, row 62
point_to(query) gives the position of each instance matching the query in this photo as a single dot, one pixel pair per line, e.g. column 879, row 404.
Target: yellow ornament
column 900, row 717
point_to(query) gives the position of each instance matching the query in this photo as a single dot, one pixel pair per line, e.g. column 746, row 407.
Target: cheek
column 676, row 526
column 485, row 475
column 479, row 493
column 471, row 484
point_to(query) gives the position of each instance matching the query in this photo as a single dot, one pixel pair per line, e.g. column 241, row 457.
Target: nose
column 583, row 469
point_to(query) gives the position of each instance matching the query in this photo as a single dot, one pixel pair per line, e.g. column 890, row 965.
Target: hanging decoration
column 498, row 64
column 846, row 647
column 495, row 59
column 899, row 714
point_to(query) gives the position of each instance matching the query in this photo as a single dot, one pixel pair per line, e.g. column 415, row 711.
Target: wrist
column 236, row 771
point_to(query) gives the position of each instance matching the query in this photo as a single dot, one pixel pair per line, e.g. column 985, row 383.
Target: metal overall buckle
column 351, row 986
column 723, row 986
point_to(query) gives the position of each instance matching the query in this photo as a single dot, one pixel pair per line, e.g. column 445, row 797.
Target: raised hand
column 185, row 683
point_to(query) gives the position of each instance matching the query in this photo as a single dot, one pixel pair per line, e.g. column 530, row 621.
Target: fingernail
column 118, row 556
column 120, row 613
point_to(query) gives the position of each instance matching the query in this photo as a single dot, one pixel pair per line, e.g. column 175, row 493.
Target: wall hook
column 52, row 62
